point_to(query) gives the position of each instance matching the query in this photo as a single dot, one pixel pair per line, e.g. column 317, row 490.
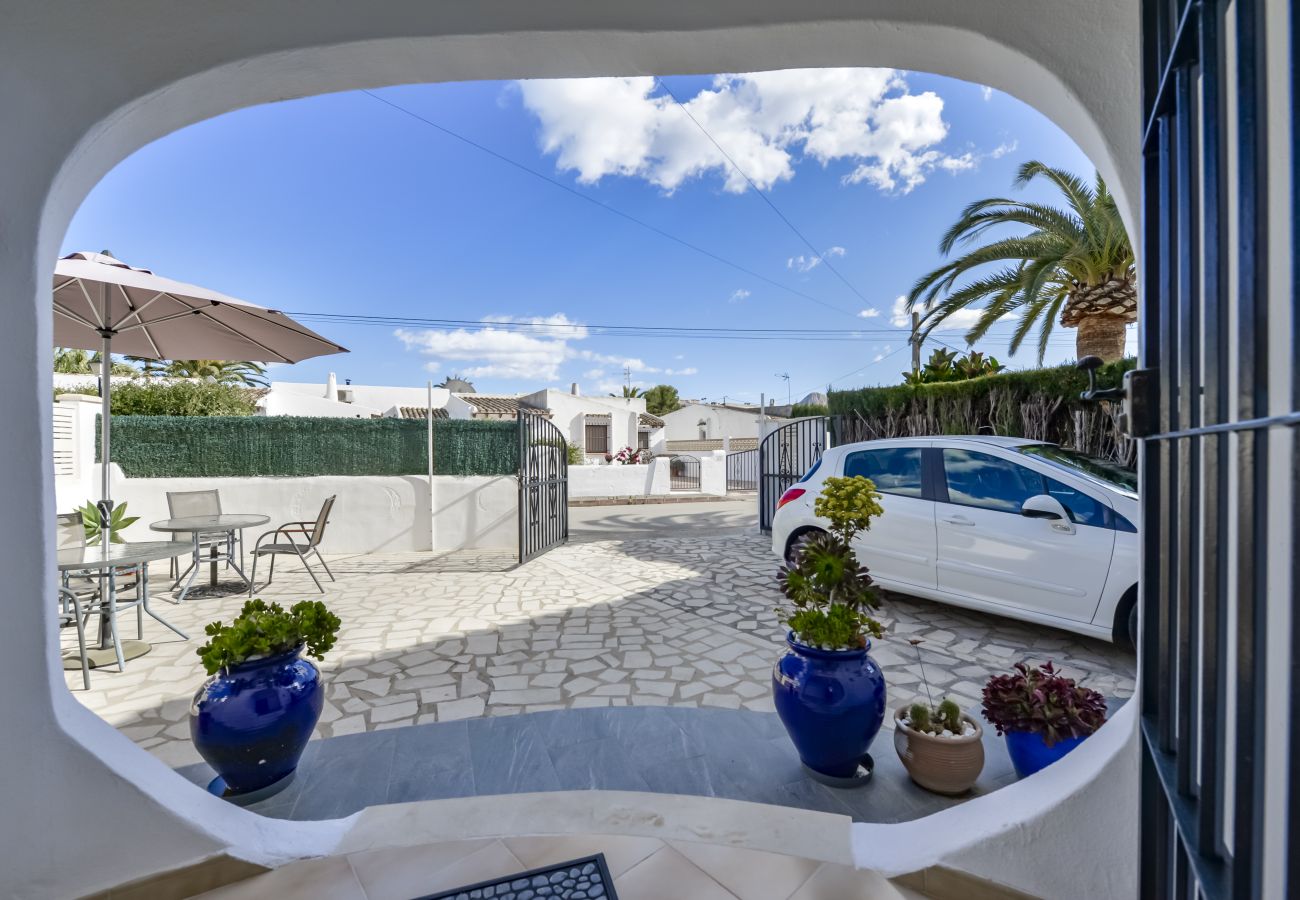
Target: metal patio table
column 136, row 554
column 200, row 526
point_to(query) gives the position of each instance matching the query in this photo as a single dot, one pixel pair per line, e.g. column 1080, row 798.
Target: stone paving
column 682, row 621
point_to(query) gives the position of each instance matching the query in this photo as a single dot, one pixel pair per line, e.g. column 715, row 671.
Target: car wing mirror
column 1044, row 506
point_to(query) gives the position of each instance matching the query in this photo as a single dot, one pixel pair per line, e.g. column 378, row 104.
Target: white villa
column 704, row 426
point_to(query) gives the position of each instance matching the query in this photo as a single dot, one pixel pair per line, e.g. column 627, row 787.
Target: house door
column 1219, row 739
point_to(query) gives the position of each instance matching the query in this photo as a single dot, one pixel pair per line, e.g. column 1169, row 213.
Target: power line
column 605, row 206
column 763, row 194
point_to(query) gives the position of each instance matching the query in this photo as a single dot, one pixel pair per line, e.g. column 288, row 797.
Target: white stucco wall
column 84, row 85
column 294, row 398
column 619, row 481
column 373, row 514
column 720, row 422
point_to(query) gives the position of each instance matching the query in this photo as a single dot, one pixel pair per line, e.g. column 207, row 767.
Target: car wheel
column 792, row 546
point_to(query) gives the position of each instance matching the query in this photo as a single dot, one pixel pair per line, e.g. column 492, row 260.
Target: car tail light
column 792, row 494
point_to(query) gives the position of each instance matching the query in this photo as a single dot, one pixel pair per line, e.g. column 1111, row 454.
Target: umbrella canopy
column 98, row 297
column 101, row 303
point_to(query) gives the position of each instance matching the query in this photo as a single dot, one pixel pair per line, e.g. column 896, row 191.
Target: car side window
column 895, row 470
column 1083, row 510
column 988, row 482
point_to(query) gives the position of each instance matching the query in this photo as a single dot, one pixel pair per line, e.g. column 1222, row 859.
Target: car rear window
column 895, row 470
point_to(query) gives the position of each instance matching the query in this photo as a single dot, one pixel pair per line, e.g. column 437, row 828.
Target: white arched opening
column 81, row 88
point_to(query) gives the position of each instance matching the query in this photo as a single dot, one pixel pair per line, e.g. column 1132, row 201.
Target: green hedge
column 178, row 398
column 1042, row 404
column 237, row 446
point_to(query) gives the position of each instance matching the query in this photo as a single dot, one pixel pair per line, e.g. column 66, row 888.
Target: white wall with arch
column 84, row 85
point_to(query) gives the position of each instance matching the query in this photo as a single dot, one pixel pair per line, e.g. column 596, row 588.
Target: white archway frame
column 83, row 86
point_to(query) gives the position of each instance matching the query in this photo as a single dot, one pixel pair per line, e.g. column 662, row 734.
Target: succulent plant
column 1042, row 701
column 831, row 592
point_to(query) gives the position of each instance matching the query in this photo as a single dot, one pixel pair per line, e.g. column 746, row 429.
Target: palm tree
column 457, row 385
column 149, row 368
column 221, row 371
column 1075, row 263
column 629, row 392
column 83, row 362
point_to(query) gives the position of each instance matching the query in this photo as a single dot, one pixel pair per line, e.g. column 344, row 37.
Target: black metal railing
column 684, row 473
column 1210, row 758
column 543, row 486
column 742, row 470
column 783, row 458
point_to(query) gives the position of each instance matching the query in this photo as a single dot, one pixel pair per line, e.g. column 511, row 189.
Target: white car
column 1005, row 525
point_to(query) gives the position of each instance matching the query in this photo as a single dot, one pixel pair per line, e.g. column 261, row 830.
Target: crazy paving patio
column 685, row 622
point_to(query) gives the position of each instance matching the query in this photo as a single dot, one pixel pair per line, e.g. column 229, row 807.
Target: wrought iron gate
column 684, row 473
column 742, row 470
column 1212, row 681
column 543, row 486
column 783, row 457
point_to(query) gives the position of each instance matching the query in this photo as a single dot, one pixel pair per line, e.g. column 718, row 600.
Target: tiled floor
column 643, row 868
column 735, row 754
column 684, row 621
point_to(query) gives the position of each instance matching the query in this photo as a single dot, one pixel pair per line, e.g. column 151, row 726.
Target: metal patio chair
column 183, row 504
column 80, row 597
column 312, row 532
column 71, row 612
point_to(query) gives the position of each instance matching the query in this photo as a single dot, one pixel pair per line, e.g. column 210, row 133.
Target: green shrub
column 178, row 398
column 289, row 446
column 1040, row 404
column 802, row 410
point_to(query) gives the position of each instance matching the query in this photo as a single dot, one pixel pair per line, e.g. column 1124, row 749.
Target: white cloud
column 961, row 320
column 987, row 92
column 766, row 121
column 738, row 295
column 1003, row 149
column 535, row 354
column 812, row 261
column 884, row 351
column 868, row 313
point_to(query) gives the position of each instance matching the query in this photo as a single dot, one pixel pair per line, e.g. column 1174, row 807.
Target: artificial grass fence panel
column 295, row 446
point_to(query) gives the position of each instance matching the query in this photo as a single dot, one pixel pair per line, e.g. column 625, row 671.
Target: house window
column 643, row 440
column 597, row 437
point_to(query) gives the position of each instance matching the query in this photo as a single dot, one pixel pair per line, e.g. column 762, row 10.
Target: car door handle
column 960, row 520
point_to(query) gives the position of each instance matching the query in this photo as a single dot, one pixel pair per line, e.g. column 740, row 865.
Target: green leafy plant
column 184, row 398
column 118, row 521
column 261, row 630
column 1040, row 700
column 577, row 456
column 831, row 593
column 945, row 366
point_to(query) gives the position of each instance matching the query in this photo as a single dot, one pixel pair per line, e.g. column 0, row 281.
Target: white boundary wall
column 373, row 514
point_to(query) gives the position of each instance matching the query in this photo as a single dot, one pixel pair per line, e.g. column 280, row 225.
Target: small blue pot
column 252, row 721
column 1029, row 752
column 832, row 703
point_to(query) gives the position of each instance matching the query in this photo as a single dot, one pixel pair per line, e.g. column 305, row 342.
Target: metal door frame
column 1199, row 839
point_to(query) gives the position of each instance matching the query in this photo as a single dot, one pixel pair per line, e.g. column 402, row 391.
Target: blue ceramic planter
column 1029, row 752
column 832, row 703
column 252, row 721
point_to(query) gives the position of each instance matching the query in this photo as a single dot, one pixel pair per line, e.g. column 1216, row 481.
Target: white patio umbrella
column 101, row 303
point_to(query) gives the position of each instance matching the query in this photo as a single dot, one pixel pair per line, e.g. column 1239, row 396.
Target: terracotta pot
column 940, row 764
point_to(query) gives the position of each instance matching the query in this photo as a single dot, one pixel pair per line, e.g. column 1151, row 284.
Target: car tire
column 795, row 540
column 1133, row 627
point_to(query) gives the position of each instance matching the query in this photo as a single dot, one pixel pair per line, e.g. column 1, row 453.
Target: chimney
column 332, row 388
column 573, row 388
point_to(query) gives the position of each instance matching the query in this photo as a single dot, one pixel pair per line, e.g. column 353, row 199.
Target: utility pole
column 627, row 376
column 786, row 377
column 915, row 341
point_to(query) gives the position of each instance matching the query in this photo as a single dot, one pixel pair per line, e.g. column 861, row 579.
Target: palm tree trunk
column 1101, row 336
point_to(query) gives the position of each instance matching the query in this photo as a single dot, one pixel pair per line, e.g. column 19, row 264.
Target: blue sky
column 345, row 204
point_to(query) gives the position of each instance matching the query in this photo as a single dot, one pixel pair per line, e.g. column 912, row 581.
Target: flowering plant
column 629, row 457
column 831, row 592
column 1042, row 701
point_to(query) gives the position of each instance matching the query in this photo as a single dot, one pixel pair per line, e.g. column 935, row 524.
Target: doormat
column 579, row 879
